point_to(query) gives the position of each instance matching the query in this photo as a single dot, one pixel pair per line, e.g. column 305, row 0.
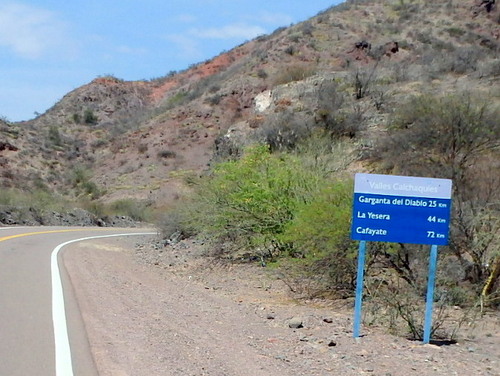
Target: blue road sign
column 401, row 209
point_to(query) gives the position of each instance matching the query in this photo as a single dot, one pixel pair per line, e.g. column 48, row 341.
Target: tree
column 455, row 137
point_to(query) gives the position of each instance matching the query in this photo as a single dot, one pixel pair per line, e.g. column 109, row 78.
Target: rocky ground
column 168, row 311
column 29, row 216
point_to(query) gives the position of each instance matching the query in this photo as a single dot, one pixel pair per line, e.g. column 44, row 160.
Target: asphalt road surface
column 41, row 329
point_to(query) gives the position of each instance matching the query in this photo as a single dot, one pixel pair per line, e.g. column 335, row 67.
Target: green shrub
column 321, row 225
column 80, row 180
column 247, row 204
column 248, row 199
column 38, row 199
column 89, row 117
column 319, row 235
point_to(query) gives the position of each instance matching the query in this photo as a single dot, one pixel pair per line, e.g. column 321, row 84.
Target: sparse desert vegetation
column 403, row 87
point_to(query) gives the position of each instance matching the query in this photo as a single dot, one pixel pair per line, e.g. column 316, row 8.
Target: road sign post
column 430, row 294
column 400, row 209
column 359, row 288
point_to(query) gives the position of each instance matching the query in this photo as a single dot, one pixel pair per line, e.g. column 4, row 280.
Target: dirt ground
column 167, row 311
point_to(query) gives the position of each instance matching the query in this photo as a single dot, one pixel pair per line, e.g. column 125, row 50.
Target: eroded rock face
column 487, row 6
column 28, row 216
column 363, row 45
column 104, row 100
column 7, row 146
column 298, row 96
column 263, row 101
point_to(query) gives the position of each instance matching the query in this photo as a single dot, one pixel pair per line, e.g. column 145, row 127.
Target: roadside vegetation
column 398, row 87
column 289, row 208
column 40, row 206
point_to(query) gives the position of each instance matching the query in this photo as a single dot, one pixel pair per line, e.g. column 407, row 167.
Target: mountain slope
column 357, row 61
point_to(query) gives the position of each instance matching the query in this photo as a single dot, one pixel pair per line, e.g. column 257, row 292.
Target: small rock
column 295, row 323
column 332, row 343
column 328, row 320
column 270, row 316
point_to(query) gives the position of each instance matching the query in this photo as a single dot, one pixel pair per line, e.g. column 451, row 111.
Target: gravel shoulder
column 167, row 311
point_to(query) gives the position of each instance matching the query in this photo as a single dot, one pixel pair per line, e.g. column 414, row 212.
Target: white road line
column 64, row 365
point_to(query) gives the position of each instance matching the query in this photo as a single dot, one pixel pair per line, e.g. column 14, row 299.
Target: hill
column 405, row 87
column 136, row 138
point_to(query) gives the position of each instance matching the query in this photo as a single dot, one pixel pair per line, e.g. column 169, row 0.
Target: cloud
column 235, row 31
column 30, row 32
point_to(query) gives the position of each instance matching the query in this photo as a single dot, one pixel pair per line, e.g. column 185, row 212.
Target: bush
column 459, row 61
column 89, row 117
column 455, row 137
column 167, row 154
column 137, row 210
column 248, row 200
column 319, row 234
column 293, row 73
column 54, row 137
column 215, row 99
column 39, row 199
column 174, row 225
column 337, row 122
column 442, row 134
column 307, row 29
column 401, row 308
column 261, row 73
column 283, row 130
column 80, row 179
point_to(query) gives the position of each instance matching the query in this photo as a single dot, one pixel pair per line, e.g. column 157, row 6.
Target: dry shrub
column 295, row 72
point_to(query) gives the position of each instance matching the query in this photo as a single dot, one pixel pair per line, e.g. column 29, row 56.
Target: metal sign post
column 400, row 209
column 359, row 288
column 430, row 294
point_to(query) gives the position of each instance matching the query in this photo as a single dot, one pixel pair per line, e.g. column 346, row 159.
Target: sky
column 50, row 47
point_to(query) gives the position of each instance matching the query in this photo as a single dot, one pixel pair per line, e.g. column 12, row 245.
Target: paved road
column 30, row 311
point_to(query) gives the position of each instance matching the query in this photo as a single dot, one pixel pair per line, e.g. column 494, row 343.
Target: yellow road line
column 48, row 232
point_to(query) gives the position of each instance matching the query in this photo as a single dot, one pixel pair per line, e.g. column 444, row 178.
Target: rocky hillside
column 352, row 64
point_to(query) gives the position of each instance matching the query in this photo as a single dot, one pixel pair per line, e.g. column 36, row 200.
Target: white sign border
column 409, row 186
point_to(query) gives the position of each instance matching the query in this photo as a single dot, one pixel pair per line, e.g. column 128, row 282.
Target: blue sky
column 50, row 47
